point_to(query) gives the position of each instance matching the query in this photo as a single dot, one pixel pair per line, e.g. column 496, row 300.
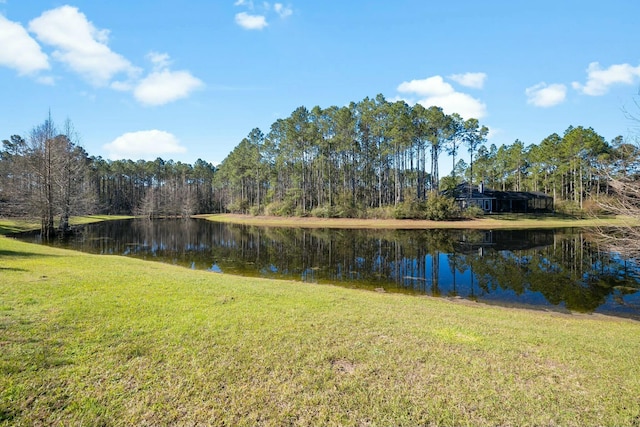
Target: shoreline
column 509, row 221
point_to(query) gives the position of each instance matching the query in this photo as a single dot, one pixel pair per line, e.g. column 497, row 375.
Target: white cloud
column 434, row 91
column 599, row 80
column 457, row 102
column 472, row 80
column 80, row 45
column 146, row 145
column 283, row 11
column 543, row 95
column 164, row 86
column 251, row 22
column 18, row 50
column 431, row 86
column 257, row 19
column 159, row 60
column 83, row 48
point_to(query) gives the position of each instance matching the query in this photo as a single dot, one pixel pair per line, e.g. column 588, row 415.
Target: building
column 493, row 201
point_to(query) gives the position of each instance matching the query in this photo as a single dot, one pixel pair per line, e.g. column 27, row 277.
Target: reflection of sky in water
column 512, row 267
column 214, row 268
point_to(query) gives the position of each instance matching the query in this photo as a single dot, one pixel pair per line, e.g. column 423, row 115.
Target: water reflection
column 558, row 269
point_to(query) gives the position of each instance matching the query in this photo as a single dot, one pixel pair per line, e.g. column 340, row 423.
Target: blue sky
column 189, row 79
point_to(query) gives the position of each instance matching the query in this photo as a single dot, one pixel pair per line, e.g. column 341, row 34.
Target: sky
column 187, row 80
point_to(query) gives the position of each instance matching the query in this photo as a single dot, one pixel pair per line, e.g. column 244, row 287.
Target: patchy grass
column 14, row 225
column 495, row 221
column 8, row 226
column 107, row 340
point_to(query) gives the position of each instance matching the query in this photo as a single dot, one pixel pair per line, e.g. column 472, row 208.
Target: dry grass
column 503, row 221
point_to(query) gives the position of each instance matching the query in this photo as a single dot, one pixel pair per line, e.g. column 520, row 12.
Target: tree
column 623, row 178
column 623, row 200
column 71, row 178
column 473, row 136
column 58, row 173
column 456, row 132
column 14, row 182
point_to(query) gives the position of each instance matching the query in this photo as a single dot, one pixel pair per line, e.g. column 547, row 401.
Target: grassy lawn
column 8, row 226
column 106, row 340
column 496, row 221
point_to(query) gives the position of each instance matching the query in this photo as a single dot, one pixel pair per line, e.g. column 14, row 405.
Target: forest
column 371, row 159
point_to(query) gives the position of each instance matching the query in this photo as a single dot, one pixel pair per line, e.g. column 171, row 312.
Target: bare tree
column 40, row 160
column 623, row 195
column 623, row 201
column 58, row 169
column 71, row 177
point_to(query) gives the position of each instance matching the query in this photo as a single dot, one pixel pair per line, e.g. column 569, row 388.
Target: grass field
column 106, row 340
column 498, row 221
column 8, row 226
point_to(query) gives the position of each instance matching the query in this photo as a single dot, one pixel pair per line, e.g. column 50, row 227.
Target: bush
column 301, row 212
column 255, row 210
column 386, row 212
column 238, row 206
column 440, row 208
column 409, row 209
column 473, row 211
column 282, row 208
column 324, row 211
column 569, row 207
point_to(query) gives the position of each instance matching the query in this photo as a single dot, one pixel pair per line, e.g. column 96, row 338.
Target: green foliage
column 570, row 208
column 386, row 212
column 280, row 208
column 256, row 210
column 409, row 209
column 239, row 206
column 472, row 212
column 324, row 211
column 359, row 160
column 439, row 207
column 449, row 183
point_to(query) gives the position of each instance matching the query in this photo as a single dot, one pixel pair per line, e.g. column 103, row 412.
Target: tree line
column 372, row 158
column 49, row 176
column 380, row 158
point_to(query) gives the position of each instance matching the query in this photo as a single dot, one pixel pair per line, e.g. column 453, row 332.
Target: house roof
column 463, row 190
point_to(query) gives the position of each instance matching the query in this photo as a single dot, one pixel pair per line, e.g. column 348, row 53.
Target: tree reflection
column 551, row 267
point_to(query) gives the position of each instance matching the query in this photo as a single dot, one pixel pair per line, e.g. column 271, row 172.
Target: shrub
column 472, row 211
column 324, row 211
column 568, row 207
column 256, row 210
column 238, row 206
column 439, row 207
column 281, row 208
column 385, row 212
column 409, row 209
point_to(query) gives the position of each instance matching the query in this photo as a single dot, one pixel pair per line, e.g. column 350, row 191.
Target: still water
column 549, row 269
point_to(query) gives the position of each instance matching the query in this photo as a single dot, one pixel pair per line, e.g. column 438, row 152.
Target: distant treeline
column 377, row 157
column 372, row 158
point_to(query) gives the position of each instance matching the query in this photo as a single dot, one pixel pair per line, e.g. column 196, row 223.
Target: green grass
column 106, row 340
column 17, row 225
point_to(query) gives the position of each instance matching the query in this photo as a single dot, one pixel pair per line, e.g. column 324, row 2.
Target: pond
column 549, row 269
